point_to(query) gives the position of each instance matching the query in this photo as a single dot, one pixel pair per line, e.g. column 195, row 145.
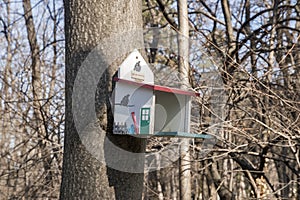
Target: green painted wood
column 145, row 120
column 182, row 134
column 176, row 134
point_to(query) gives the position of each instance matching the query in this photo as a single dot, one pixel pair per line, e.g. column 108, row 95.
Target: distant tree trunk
column 223, row 192
column 37, row 93
column 183, row 67
column 35, row 64
column 88, row 23
column 5, row 109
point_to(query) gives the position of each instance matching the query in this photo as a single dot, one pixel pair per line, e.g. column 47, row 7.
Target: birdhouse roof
column 157, row 87
column 134, row 70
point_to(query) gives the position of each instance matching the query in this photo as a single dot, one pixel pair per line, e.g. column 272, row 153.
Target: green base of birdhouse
column 175, row 134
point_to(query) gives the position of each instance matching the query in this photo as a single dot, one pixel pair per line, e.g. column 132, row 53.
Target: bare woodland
column 255, row 48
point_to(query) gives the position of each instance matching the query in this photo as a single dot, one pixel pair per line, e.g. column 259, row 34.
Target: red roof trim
column 158, row 87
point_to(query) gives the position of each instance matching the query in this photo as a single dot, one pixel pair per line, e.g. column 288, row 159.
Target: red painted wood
column 158, row 87
column 136, row 127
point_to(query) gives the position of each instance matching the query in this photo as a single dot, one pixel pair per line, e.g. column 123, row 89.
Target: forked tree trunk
column 87, row 25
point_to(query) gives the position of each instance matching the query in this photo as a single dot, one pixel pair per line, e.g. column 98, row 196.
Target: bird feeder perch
column 144, row 109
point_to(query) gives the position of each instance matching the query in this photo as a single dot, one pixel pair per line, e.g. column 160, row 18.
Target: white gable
column 135, row 68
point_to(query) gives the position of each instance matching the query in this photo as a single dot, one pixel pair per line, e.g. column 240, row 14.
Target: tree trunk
column 183, row 67
column 37, row 93
column 95, row 29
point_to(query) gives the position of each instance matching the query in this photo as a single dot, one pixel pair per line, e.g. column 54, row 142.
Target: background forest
column 255, row 48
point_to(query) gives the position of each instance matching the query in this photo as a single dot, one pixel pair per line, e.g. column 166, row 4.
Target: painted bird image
column 137, row 66
column 125, row 101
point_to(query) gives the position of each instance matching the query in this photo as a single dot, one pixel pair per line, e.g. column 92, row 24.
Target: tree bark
column 223, row 192
column 183, row 68
column 37, row 93
column 88, row 24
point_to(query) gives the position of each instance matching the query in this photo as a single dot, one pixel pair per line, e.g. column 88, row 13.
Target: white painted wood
column 169, row 112
column 135, row 68
column 138, row 97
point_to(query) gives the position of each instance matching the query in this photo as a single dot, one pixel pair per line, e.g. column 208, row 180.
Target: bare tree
column 31, row 153
column 255, row 45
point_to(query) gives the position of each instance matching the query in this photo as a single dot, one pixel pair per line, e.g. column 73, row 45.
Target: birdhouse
column 142, row 108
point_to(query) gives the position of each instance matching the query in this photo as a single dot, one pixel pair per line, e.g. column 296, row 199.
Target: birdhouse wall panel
column 129, row 100
column 171, row 112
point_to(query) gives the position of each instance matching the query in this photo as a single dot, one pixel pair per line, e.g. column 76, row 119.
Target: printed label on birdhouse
column 137, row 76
